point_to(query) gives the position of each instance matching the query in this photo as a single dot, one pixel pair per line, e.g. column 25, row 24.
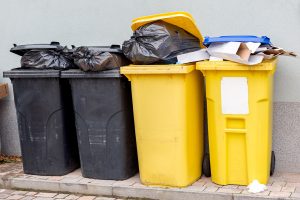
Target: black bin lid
column 77, row 73
column 31, row 73
column 22, row 49
column 112, row 48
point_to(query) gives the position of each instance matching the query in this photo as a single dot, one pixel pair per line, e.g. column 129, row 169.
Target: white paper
column 193, row 56
column 223, row 48
column 234, row 95
column 254, row 60
column 252, row 46
column 211, row 58
column 261, row 48
column 256, row 187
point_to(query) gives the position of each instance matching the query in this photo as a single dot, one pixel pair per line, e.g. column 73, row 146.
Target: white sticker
column 234, row 95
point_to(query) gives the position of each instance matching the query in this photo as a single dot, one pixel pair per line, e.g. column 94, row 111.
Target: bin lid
column 157, row 69
column 237, row 38
column 22, row 49
column 183, row 20
column 112, row 48
column 266, row 65
column 31, row 73
column 77, row 73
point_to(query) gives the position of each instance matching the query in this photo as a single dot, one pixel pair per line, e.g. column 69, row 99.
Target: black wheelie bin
column 45, row 118
column 104, row 120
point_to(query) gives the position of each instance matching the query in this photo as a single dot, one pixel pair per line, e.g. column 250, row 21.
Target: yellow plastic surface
column 157, row 69
column 181, row 19
column 168, row 117
column 240, row 145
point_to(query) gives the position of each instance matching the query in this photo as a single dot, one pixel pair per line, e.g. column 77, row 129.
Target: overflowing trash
column 99, row 58
column 47, row 59
column 159, row 42
column 248, row 50
column 44, row 56
column 169, row 38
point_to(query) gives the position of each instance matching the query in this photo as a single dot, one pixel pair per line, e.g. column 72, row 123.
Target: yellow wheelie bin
column 239, row 108
column 168, row 114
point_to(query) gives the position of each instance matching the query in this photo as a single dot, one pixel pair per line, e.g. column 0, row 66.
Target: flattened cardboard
column 235, row 51
column 193, row 56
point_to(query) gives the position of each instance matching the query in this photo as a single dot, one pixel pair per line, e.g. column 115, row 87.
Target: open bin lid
column 31, row 73
column 266, row 65
column 181, row 19
column 237, row 38
column 22, row 49
column 77, row 73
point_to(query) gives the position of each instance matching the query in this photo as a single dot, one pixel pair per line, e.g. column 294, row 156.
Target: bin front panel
column 168, row 114
column 105, row 127
column 46, row 126
column 240, row 142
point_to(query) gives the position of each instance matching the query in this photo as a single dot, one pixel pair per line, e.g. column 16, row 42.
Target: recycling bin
column 104, row 122
column 239, row 106
column 45, row 121
column 168, row 114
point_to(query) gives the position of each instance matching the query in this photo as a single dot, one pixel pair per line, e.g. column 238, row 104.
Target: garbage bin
column 45, row 121
column 104, row 122
column 168, row 114
column 239, row 104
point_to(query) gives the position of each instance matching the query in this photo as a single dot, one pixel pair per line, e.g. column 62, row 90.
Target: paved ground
column 31, row 195
column 280, row 186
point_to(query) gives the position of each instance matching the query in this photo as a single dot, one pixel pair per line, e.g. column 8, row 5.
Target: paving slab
column 75, row 187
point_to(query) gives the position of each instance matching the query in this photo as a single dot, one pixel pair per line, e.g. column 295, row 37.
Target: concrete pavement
column 280, row 186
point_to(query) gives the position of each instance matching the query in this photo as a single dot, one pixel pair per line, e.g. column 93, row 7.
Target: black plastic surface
column 104, row 122
column 111, row 49
column 46, row 122
column 22, row 49
column 159, row 42
column 206, row 165
column 273, row 162
column 92, row 58
column 75, row 73
column 34, row 73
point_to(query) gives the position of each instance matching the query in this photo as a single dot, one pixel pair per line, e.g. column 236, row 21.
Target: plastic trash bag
column 99, row 58
column 159, row 42
column 47, row 59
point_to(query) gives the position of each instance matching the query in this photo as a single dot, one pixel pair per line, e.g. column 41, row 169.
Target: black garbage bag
column 60, row 58
column 159, row 42
column 99, row 58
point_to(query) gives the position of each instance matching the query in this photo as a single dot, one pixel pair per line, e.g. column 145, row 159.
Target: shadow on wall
column 9, row 140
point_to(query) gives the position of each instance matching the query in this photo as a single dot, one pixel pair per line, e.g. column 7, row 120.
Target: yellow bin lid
column 181, row 19
column 157, row 69
column 266, row 65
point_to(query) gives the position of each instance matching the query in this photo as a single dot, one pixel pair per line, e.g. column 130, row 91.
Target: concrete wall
column 104, row 22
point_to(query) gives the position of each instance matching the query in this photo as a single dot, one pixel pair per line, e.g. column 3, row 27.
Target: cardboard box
column 3, row 90
column 236, row 51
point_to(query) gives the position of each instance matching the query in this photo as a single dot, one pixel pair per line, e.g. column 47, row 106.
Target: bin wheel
column 206, row 165
column 272, row 169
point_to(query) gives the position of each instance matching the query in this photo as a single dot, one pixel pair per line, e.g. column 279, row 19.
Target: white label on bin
column 234, row 95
